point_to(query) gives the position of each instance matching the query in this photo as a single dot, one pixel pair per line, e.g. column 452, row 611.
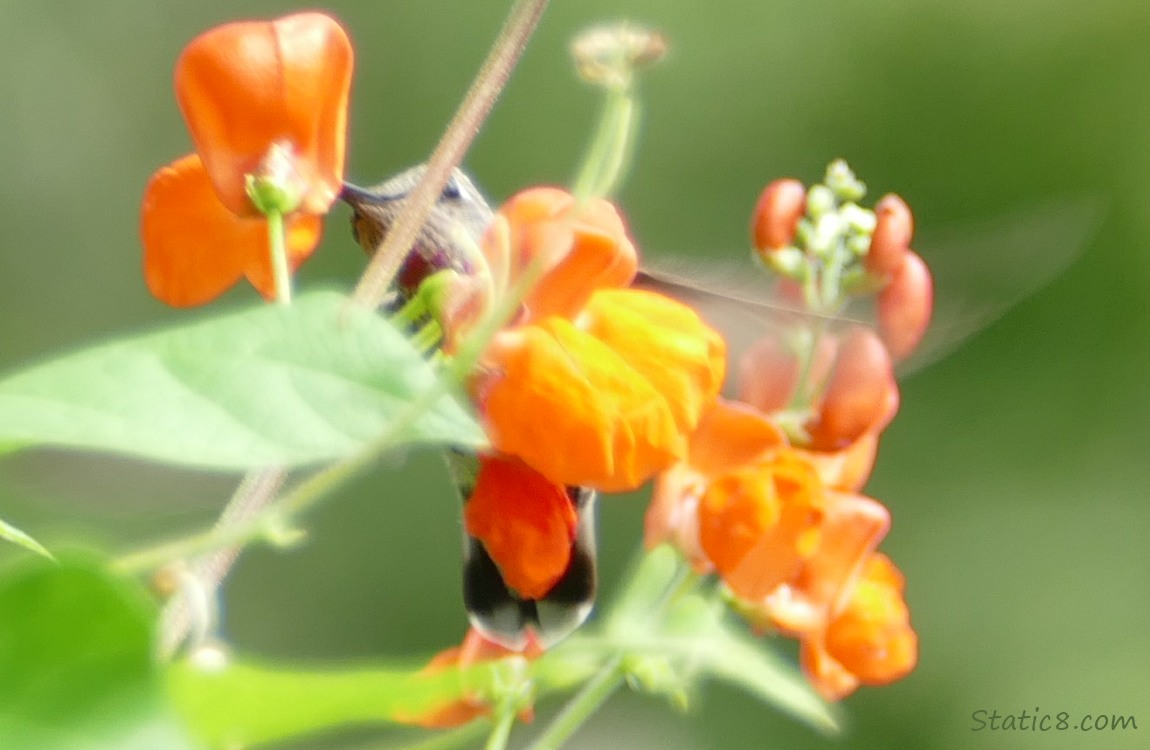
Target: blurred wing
column 980, row 272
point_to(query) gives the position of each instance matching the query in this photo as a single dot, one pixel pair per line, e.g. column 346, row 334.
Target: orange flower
column 184, row 228
column 261, row 99
column 582, row 248
column 526, row 524
column 245, row 86
column 869, row 642
column 593, row 385
column 475, row 649
column 797, row 553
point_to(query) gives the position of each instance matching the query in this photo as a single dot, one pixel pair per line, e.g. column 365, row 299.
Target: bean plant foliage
column 531, row 344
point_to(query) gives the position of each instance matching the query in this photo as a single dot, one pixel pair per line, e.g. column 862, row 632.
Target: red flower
column 261, row 99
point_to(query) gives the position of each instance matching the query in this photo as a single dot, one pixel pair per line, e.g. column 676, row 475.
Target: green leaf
column 16, row 536
column 245, row 703
column 277, row 385
column 76, row 668
column 731, row 655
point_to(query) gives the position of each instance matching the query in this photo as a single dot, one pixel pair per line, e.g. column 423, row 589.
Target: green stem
column 277, row 248
column 609, row 154
column 427, row 337
column 411, row 312
column 501, row 732
column 580, row 708
column 805, row 389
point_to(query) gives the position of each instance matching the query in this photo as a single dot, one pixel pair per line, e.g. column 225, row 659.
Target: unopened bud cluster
column 822, row 239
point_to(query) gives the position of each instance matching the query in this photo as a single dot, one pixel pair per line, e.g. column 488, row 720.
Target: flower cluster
column 768, row 497
column 592, row 384
column 266, row 105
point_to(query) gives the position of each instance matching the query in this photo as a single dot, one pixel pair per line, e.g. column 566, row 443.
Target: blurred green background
column 1016, row 471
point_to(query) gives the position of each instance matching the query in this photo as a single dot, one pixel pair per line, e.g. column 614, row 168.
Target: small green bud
column 820, row 201
column 842, row 181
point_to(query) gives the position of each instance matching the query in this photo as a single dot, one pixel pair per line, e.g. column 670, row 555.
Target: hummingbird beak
column 356, row 196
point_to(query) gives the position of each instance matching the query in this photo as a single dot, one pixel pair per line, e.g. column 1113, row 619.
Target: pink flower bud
column 904, row 307
column 777, row 214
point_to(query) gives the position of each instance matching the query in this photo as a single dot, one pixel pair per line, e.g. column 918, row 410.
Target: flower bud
column 769, row 371
column 777, row 213
column 894, row 228
column 904, row 307
column 861, row 395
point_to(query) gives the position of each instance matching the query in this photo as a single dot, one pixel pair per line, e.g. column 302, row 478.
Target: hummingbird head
column 453, row 229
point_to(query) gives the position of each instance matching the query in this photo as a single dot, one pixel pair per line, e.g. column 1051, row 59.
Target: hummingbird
column 446, row 241
column 1021, row 252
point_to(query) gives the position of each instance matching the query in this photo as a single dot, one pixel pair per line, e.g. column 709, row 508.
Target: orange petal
column 583, row 247
column 664, row 341
column 526, row 523
column 195, row 249
column 245, row 86
column 759, row 523
column 574, row 410
column 894, row 227
column 870, row 641
column 831, row 679
column 730, row 435
column 852, row 528
column 872, row 638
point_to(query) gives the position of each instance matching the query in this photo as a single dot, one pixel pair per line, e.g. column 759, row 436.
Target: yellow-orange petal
column 247, row 85
column 574, row 410
column 583, row 247
column 870, row 641
column 195, row 249
column 664, row 341
column 758, row 524
column 526, row 523
column 872, row 637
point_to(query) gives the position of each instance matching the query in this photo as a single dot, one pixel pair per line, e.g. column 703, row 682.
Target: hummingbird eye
column 451, row 190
